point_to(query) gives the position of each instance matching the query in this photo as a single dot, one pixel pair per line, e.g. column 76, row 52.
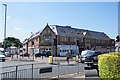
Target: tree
column 11, row 40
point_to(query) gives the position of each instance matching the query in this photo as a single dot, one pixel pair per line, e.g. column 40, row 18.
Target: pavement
column 38, row 59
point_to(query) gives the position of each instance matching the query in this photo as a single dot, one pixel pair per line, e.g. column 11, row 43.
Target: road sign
column 45, row 70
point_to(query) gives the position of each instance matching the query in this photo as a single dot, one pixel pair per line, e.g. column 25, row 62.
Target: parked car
column 2, row 57
column 38, row 55
column 21, row 54
column 7, row 54
column 43, row 53
column 26, row 54
column 48, row 53
column 90, row 56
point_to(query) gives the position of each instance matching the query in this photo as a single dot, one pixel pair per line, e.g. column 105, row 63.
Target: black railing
column 33, row 71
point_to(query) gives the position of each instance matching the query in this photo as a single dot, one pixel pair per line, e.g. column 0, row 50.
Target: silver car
column 2, row 57
column 90, row 56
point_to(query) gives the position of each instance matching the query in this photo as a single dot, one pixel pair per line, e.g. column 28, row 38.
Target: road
column 64, row 68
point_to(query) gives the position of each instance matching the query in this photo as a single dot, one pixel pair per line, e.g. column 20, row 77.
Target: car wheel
column 3, row 60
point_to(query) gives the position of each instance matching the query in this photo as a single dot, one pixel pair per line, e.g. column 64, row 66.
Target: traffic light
column 77, row 41
column 118, row 39
column 55, row 41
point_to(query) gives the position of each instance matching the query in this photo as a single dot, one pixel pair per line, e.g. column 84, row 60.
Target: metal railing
column 33, row 71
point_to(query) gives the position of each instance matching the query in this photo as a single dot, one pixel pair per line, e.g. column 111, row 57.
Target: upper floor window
column 72, row 39
column 113, row 42
column 97, row 41
column 81, row 40
column 37, row 40
column 48, row 31
column 47, row 38
column 92, row 40
column 32, row 42
column 87, row 39
column 103, row 41
column 63, row 38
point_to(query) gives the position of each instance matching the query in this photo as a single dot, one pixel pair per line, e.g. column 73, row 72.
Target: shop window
column 63, row 50
column 60, row 50
column 67, row 50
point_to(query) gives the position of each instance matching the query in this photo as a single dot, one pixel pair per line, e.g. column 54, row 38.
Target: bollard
column 78, row 66
column 50, row 59
column 77, row 59
column 32, row 71
column 58, row 68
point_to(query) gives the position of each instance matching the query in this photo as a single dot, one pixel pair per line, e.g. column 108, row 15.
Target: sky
column 26, row 17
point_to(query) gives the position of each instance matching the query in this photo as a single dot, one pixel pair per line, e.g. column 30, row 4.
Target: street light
column 5, row 25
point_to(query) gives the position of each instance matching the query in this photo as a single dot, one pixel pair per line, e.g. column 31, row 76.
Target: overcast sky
column 26, row 17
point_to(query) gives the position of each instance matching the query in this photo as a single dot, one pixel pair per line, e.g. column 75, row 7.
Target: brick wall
column 106, row 42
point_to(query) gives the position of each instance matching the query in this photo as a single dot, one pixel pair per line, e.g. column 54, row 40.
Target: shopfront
column 62, row 49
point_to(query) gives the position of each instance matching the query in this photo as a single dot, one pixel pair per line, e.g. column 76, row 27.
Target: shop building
column 71, row 39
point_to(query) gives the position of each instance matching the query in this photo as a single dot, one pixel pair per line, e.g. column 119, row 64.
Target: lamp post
column 5, row 25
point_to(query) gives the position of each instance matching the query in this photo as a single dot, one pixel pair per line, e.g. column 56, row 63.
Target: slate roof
column 75, row 32
column 32, row 37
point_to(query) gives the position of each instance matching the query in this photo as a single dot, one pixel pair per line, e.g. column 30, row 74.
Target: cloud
column 8, row 17
column 17, row 28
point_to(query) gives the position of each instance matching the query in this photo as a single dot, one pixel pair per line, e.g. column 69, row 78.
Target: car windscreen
column 97, row 53
column 43, row 52
column 89, row 53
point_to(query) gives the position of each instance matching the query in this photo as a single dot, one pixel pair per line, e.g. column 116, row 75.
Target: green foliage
column 11, row 40
column 78, row 53
column 109, row 66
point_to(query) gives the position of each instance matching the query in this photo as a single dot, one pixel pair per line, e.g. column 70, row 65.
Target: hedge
column 109, row 66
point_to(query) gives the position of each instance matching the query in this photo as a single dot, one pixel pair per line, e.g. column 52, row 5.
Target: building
column 71, row 39
column 32, row 43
